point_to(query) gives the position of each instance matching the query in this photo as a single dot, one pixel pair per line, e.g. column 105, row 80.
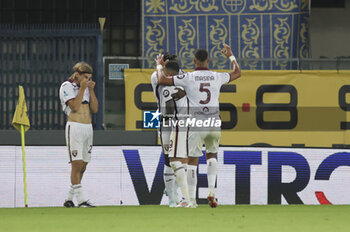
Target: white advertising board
column 126, row 175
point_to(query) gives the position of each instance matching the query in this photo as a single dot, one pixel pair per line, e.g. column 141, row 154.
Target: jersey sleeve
column 67, row 92
column 224, row 78
column 181, row 80
column 167, row 92
column 154, row 79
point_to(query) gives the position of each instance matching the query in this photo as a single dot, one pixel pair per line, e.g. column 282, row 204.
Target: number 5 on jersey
column 207, row 91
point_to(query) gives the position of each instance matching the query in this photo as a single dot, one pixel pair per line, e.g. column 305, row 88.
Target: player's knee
column 83, row 168
column 77, row 165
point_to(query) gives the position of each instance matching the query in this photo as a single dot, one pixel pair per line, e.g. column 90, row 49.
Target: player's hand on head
column 160, row 60
column 227, row 50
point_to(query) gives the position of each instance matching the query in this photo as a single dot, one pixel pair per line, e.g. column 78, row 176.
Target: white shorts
column 79, row 141
column 178, row 145
column 196, row 139
column 164, row 135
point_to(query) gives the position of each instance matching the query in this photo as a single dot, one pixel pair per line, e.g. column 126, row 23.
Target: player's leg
column 212, row 169
column 169, row 177
column 195, row 145
column 75, row 176
column 87, row 148
column 178, row 157
column 170, row 182
column 87, row 138
column 83, row 170
column 77, row 166
column 212, row 141
column 75, row 158
column 181, row 179
column 192, row 178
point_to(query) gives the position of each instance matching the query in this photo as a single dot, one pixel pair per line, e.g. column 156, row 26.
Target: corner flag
column 21, row 122
column 21, row 117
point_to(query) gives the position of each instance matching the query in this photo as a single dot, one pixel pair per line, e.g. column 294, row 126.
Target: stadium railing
column 340, row 63
column 41, row 57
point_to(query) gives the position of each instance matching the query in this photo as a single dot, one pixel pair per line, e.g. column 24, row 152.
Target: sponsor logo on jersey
column 166, row 147
column 74, row 153
column 166, row 93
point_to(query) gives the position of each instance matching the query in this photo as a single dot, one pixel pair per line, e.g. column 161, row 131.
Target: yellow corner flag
column 21, row 117
column 21, row 122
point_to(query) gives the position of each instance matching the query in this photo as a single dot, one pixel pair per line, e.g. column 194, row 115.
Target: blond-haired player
column 78, row 101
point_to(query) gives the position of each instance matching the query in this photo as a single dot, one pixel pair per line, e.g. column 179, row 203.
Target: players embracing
column 172, row 103
column 202, row 88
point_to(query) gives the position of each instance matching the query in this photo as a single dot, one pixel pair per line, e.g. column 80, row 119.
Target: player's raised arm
column 162, row 79
column 236, row 71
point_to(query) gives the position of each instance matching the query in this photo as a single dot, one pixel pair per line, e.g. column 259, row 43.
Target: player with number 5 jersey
column 203, row 90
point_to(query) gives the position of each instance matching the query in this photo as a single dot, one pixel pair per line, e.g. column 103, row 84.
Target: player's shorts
column 178, row 145
column 196, row 139
column 164, row 135
column 79, row 141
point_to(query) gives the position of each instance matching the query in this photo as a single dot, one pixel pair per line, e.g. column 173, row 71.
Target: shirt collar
column 201, row 68
column 74, row 84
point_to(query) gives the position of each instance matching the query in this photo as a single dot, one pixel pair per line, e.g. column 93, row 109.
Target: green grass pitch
column 297, row 218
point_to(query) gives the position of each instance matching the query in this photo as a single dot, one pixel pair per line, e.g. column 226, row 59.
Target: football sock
column 169, row 181
column 78, row 192
column 212, row 169
column 70, row 193
column 181, row 178
column 185, row 167
column 192, row 181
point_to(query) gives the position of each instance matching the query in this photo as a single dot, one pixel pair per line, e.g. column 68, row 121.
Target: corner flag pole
column 24, row 166
column 21, row 123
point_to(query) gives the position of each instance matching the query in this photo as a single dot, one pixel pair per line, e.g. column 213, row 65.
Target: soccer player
column 78, row 101
column 202, row 88
column 170, row 100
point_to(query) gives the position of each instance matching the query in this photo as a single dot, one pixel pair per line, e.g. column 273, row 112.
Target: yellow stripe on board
column 310, row 112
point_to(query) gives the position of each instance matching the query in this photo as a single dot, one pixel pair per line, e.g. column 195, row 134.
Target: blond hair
column 81, row 67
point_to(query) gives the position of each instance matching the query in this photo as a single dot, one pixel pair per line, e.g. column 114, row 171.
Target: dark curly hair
column 201, row 55
column 173, row 66
column 168, row 56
